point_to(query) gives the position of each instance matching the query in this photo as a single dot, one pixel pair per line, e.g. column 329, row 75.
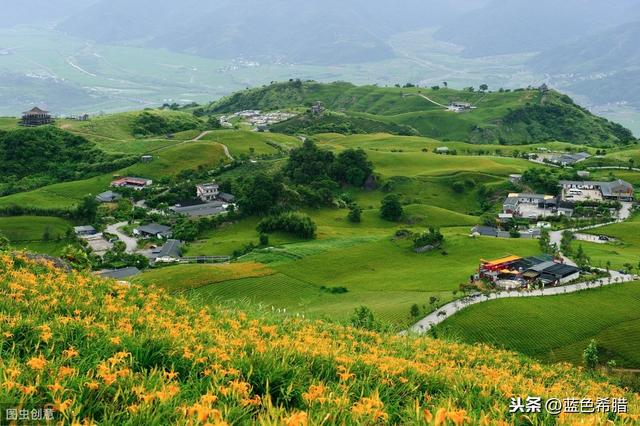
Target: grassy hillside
column 559, row 328
column 166, row 162
column 113, row 354
column 31, row 228
column 510, row 118
column 331, row 122
column 35, row 157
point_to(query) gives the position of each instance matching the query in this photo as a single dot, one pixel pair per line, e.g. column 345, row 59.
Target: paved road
column 131, row 243
column 452, row 308
column 624, row 214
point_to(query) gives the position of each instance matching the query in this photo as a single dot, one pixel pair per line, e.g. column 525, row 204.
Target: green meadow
column 378, row 270
column 32, row 228
column 558, row 328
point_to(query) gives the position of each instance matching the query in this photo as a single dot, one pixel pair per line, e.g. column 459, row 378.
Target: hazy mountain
column 515, row 26
column 39, row 12
column 604, row 67
column 608, row 51
column 316, row 32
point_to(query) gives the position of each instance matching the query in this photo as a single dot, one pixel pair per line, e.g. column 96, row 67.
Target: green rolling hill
column 507, row 118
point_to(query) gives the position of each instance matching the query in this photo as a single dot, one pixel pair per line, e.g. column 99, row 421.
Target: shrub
column 297, row 224
column 391, row 209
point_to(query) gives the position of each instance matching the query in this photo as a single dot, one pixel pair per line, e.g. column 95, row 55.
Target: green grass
column 625, row 250
column 241, row 142
column 513, row 118
column 32, row 228
column 8, row 123
column 188, row 277
column 384, row 274
column 171, row 161
column 558, row 328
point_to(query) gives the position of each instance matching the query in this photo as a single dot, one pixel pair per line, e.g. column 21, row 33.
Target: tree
column 351, row 167
column 445, row 84
column 4, row 242
column 565, row 243
column 297, row 224
column 260, row 194
column 590, row 355
column 185, row 230
column 76, row 257
column 432, row 238
column 363, row 318
column 264, row 240
column 213, row 123
column 545, row 241
column 355, row 214
column 391, row 208
column 414, row 311
column 87, row 209
column 581, row 258
column 484, row 87
column 308, row 164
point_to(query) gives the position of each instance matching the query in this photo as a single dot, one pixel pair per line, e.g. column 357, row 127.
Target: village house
column 515, row 179
column 207, row 191
column 212, row 208
column 86, row 230
column 530, row 206
column 132, row 182
column 171, row 252
column 576, row 191
column 442, row 150
column 226, row 198
column 36, row 117
column 108, row 197
column 516, row 272
column 569, row 159
column 460, row 106
column 153, row 230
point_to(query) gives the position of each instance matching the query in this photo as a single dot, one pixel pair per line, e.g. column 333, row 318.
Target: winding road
column 456, row 306
column 131, row 243
column 452, row 308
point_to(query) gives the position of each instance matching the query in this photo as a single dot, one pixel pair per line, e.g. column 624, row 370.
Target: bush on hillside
column 150, row 124
column 297, row 224
column 391, row 208
column 433, row 238
column 35, row 157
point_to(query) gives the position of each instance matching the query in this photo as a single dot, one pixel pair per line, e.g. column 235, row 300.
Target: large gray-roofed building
column 200, row 210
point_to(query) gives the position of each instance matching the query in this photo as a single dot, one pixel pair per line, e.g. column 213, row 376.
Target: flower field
column 102, row 352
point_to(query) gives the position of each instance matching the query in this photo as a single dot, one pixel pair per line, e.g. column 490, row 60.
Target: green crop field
column 32, row 228
column 188, row 277
column 558, row 328
column 378, row 271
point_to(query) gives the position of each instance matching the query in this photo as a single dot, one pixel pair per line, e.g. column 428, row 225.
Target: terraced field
column 558, row 328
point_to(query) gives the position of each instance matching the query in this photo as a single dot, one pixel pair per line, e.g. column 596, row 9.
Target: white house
column 208, row 191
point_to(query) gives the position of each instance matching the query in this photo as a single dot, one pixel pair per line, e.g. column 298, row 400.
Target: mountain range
column 328, row 32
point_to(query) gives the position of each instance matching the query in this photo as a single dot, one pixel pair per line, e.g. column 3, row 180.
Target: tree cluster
column 297, row 224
